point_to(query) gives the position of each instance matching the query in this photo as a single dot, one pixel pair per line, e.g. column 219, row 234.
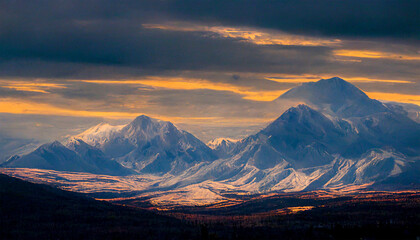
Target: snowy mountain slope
column 387, row 129
column 150, row 146
column 95, row 157
column 375, row 166
column 335, row 96
column 301, row 135
column 98, row 134
column 411, row 110
column 343, row 138
column 10, row 146
column 55, row 156
column 51, row 156
column 309, row 149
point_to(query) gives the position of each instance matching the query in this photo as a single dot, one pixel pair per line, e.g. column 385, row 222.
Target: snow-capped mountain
column 97, row 135
column 301, row 136
column 411, row 110
column 222, row 146
column 81, row 157
column 311, row 149
column 149, row 145
column 335, row 96
column 95, row 157
column 371, row 124
column 10, row 146
column 304, row 150
column 340, row 138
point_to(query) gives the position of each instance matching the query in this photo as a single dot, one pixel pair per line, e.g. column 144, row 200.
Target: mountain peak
column 142, row 118
column 143, row 121
column 301, row 108
column 336, row 80
column 74, row 140
column 75, row 143
column 96, row 135
column 51, row 147
column 55, row 144
column 144, row 128
column 98, row 128
column 101, row 128
column 339, row 86
column 326, row 90
column 298, row 113
column 215, row 143
column 335, row 95
column 299, row 117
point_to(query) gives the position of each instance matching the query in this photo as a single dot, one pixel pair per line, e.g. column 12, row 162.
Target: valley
column 38, row 209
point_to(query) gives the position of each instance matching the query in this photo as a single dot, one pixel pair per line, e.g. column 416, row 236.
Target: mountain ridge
column 352, row 140
column 150, row 145
column 56, row 156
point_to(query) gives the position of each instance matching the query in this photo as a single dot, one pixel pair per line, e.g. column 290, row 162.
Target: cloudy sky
column 211, row 67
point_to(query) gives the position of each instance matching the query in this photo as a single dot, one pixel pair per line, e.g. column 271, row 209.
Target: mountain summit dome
column 337, row 96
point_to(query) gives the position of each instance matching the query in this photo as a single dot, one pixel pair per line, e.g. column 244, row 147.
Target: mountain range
column 338, row 137
column 78, row 156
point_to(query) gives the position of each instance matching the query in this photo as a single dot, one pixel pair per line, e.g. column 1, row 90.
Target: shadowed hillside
column 34, row 211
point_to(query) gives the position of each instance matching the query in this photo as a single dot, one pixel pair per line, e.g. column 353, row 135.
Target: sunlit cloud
column 195, row 84
column 374, row 54
column 396, row 97
column 314, row 78
column 30, row 86
column 252, row 35
column 17, row 106
column 265, row 38
column 362, row 79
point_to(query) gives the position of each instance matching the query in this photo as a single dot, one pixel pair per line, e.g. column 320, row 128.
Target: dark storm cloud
column 345, row 18
column 98, row 32
column 106, row 39
column 353, row 18
column 127, row 44
column 110, row 33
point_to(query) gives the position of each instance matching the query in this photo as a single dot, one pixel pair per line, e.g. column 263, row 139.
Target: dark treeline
column 35, row 211
column 373, row 220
